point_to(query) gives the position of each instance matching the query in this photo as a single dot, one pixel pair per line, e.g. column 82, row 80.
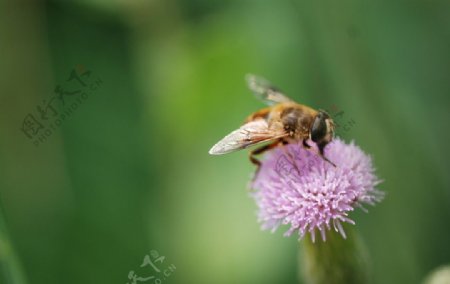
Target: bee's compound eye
column 319, row 128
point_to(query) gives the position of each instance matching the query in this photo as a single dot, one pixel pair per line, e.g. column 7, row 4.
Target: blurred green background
column 128, row 172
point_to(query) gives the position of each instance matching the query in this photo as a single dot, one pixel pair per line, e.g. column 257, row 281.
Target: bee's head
column 322, row 129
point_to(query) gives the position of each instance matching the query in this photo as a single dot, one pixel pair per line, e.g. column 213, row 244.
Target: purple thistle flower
column 295, row 186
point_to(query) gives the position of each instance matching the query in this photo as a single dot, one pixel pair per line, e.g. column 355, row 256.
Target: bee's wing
column 265, row 91
column 249, row 134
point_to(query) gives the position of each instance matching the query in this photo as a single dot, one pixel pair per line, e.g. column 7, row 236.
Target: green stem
column 335, row 261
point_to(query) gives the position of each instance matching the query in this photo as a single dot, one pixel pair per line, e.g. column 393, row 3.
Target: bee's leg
column 259, row 151
column 321, row 147
column 320, row 153
column 254, row 161
column 305, row 144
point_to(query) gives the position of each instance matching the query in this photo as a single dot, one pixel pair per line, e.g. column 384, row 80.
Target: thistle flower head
column 297, row 187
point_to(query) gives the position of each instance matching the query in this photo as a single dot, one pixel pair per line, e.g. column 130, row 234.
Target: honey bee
column 283, row 122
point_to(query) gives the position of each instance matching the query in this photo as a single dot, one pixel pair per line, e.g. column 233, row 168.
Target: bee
column 283, row 122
